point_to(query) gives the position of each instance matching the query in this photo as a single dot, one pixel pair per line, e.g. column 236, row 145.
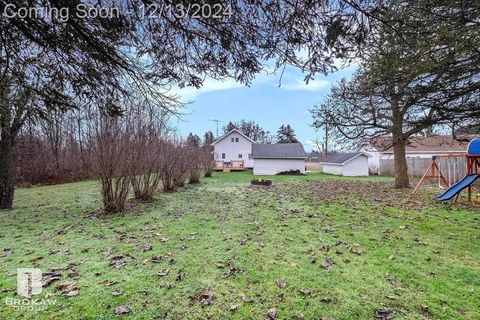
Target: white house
column 270, row 159
column 347, row 164
column 233, row 146
column 421, row 147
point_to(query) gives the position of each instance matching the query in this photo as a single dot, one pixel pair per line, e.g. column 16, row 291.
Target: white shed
column 271, row 159
column 347, row 164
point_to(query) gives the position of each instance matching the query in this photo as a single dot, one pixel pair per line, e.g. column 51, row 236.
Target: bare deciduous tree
column 206, row 156
column 113, row 161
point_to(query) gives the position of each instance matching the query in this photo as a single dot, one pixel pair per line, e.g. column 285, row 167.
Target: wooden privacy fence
column 452, row 168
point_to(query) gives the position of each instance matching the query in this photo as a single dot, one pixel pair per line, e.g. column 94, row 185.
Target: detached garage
column 347, row 164
column 270, row 159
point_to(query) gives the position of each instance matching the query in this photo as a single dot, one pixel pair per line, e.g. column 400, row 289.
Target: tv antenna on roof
column 217, row 122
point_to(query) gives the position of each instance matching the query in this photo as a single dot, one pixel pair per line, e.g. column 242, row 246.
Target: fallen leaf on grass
column 157, row 259
column 357, row 251
column 117, row 261
column 180, row 276
column 326, row 300
column 107, row 252
column 49, row 295
column 68, row 288
column 72, row 273
column 121, row 310
column 308, row 292
column 53, row 251
column 163, row 272
column 327, row 264
column 108, row 283
column 5, row 252
column 383, row 314
column 245, row 298
column 281, row 283
column 271, row 314
column 36, row 261
column 117, row 292
column 204, row 298
column 49, row 277
column 233, row 271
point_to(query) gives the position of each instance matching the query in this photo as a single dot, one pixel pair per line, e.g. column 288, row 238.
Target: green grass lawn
column 312, row 247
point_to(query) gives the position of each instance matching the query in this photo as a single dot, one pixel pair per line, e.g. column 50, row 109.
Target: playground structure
column 472, row 164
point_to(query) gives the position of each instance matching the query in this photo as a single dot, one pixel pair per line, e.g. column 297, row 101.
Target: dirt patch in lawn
column 380, row 194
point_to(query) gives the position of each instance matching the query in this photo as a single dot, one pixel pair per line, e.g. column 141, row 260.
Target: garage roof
column 341, row 158
column 278, row 151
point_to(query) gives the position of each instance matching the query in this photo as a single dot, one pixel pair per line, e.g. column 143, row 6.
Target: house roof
column 322, row 158
column 278, row 151
column 220, row 138
column 425, row 144
column 344, row 157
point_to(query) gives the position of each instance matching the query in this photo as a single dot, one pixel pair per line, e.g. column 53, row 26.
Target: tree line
column 285, row 134
column 135, row 155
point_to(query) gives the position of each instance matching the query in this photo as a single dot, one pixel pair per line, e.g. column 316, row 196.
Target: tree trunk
column 400, row 160
column 6, row 174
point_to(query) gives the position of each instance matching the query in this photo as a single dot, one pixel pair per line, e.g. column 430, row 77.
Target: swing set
column 451, row 186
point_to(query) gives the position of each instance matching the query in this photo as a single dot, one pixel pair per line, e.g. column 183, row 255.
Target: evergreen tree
column 229, row 127
column 286, row 134
column 208, row 138
column 193, row 140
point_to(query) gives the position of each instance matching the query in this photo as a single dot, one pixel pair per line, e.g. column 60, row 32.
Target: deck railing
column 231, row 165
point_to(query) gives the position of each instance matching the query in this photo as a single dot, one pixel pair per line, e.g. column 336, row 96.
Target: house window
column 236, row 139
column 239, row 156
column 223, row 155
column 233, row 139
column 249, row 156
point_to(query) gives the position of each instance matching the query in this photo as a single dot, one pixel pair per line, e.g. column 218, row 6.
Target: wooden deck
column 227, row 166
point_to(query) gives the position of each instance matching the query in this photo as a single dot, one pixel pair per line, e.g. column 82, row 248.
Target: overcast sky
column 263, row 102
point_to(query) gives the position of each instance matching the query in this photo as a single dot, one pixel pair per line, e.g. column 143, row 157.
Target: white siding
column 233, row 149
column 274, row 166
column 333, row 169
column 373, row 160
column 356, row 167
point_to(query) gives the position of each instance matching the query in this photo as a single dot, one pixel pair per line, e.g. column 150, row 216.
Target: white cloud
column 312, row 85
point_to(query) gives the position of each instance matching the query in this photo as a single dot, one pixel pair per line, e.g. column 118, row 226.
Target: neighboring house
column 233, row 146
column 270, row 159
column 347, row 164
column 421, row 147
